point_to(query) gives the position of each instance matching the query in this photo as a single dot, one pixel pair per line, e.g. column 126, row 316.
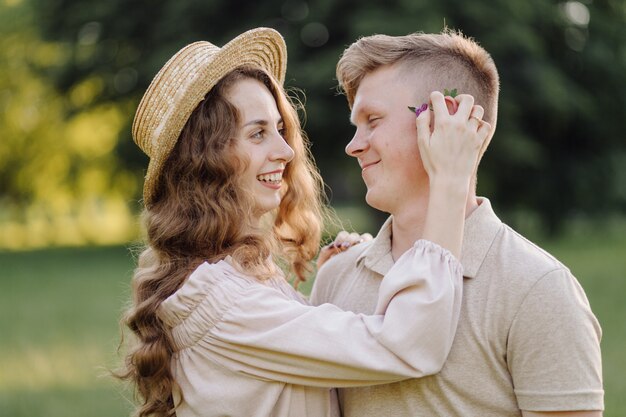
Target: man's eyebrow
column 355, row 114
column 364, row 109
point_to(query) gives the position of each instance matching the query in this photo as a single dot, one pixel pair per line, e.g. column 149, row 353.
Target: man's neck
column 408, row 224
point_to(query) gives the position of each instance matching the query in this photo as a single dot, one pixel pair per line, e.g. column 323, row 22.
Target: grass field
column 59, row 310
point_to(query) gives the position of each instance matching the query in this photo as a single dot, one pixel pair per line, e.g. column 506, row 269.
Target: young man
column 527, row 342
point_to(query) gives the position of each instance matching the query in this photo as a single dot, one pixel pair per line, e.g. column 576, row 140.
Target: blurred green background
column 72, row 73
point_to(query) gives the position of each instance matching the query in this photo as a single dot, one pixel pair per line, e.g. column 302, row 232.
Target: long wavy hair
column 201, row 213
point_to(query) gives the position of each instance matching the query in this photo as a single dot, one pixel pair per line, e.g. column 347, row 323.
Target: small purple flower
column 419, row 110
column 422, row 108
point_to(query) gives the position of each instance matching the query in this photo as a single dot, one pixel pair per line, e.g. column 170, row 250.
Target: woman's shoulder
column 212, row 287
column 210, row 292
column 215, row 284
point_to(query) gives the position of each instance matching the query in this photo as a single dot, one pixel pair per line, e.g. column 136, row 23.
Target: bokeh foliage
column 60, row 181
column 72, row 73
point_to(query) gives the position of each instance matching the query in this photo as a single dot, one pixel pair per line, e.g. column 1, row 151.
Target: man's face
column 385, row 142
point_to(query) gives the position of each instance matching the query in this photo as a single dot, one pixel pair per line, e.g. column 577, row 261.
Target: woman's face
column 260, row 141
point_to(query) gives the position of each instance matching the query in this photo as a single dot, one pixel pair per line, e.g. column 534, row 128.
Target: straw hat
column 184, row 81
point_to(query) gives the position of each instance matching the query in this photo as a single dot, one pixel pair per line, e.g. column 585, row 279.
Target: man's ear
column 451, row 104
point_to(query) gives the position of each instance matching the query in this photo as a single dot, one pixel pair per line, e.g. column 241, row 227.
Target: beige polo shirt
column 527, row 338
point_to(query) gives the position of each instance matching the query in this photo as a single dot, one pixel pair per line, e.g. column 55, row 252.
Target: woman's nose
column 283, row 151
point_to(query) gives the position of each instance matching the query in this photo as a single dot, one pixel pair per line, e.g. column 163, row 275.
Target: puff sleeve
column 240, row 324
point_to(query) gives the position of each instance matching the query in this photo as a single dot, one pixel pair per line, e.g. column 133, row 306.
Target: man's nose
column 357, row 145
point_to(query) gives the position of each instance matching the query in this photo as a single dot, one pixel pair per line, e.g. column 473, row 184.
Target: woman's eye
column 282, row 132
column 257, row 135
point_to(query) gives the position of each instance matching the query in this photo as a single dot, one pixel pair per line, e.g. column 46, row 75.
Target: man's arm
column 553, row 350
column 562, row 413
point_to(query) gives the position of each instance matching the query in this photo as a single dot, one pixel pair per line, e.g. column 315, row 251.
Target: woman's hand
column 450, row 149
column 449, row 154
column 342, row 242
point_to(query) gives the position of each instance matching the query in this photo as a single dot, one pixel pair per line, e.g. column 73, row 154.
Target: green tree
column 60, row 183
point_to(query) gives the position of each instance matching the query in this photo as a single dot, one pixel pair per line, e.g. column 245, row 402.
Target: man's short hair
column 453, row 59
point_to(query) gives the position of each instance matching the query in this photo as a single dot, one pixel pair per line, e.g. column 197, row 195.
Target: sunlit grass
column 39, row 368
column 67, row 221
column 58, row 320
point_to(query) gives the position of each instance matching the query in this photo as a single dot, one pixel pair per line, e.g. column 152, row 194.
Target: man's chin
column 374, row 202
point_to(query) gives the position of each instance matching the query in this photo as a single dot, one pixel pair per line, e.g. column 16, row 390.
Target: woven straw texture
column 184, row 81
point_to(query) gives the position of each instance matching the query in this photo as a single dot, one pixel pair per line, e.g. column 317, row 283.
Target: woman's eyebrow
column 256, row 122
column 262, row 122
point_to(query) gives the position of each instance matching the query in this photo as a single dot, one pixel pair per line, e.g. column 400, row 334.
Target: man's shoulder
column 337, row 271
column 492, row 249
column 521, row 257
column 344, row 260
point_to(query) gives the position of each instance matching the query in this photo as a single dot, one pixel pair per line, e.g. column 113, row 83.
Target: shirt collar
column 481, row 228
column 377, row 256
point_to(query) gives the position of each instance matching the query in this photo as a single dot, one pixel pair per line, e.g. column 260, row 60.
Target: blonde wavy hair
column 451, row 59
column 201, row 213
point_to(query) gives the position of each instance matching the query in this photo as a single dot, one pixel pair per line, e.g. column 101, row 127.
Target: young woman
column 231, row 192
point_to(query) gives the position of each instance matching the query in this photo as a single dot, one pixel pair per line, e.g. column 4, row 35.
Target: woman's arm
column 222, row 317
column 449, row 153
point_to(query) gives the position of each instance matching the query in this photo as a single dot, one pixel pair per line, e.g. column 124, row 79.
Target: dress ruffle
column 202, row 300
column 429, row 247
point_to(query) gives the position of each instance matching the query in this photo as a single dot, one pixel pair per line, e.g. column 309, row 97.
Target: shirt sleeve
column 554, row 348
column 258, row 331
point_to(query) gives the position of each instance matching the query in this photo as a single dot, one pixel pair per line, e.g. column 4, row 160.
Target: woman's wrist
column 449, row 185
column 446, row 213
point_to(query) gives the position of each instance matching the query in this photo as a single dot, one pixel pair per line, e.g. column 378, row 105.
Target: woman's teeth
column 273, row 178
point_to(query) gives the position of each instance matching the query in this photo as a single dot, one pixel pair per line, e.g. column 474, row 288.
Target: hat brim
column 185, row 80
